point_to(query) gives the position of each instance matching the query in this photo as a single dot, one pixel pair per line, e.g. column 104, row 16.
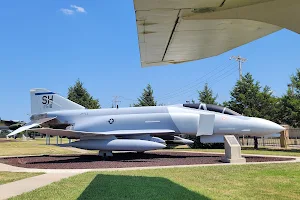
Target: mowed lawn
column 273, row 181
column 36, row 147
column 31, row 147
column 247, row 150
column 6, row 177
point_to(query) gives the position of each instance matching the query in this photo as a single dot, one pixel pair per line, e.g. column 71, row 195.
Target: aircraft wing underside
column 176, row 31
column 78, row 134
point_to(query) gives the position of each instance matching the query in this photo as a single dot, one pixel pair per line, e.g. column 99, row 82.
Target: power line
column 192, row 88
column 186, row 89
column 194, row 83
column 218, row 79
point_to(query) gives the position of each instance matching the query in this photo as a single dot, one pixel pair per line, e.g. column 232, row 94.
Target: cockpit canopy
column 211, row 107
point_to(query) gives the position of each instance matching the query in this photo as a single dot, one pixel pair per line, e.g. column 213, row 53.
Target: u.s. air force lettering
column 47, row 101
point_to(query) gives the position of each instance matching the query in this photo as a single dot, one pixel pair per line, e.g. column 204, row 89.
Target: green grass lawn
column 273, row 181
column 6, row 177
column 31, row 147
column 248, row 150
column 37, row 146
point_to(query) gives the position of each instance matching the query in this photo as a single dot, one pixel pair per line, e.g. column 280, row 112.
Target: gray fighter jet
column 136, row 128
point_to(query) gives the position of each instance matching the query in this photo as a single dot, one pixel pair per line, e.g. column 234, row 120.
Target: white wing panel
column 154, row 31
column 175, row 4
column 175, row 31
column 194, row 39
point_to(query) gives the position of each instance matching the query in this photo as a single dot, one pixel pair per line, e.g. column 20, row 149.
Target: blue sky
column 42, row 47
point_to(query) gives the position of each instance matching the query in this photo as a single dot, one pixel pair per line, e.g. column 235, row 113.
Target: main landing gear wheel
column 105, row 154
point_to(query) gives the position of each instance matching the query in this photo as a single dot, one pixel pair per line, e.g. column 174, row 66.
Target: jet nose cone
column 279, row 128
column 265, row 127
column 273, row 127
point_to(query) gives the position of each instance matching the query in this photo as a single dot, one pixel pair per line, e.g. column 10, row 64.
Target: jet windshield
column 211, row 107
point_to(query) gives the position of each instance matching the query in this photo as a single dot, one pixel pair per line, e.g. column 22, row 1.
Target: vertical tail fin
column 43, row 100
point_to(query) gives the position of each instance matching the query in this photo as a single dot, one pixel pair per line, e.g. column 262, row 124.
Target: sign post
column 232, row 150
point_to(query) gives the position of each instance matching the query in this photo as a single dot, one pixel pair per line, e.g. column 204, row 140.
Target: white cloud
column 78, row 9
column 67, row 11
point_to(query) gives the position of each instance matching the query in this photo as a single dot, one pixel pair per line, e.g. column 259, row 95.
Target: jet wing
column 77, row 134
column 29, row 126
column 176, row 31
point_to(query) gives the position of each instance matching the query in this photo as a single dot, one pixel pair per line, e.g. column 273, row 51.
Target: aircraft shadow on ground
column 119, row 157
column 136, row 187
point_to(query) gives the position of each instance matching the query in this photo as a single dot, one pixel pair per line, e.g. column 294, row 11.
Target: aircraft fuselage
column 180, row 119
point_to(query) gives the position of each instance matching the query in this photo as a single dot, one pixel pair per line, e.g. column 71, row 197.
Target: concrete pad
column 26, row 185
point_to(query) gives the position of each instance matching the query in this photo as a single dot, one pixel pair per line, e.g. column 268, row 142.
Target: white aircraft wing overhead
column 175, row 31
column 72, row 133
column 29, row 126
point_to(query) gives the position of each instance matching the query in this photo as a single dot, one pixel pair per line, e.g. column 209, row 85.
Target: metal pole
column 240, row 60
column 240, row 69
column 243, row 140
column 255, row 143
column 115, row 101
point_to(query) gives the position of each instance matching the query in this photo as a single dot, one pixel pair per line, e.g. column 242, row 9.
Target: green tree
column 147, row 98
column 80, row 95
column 289, row 104
column 206, row 95
column 248, row 99
column 268, row 104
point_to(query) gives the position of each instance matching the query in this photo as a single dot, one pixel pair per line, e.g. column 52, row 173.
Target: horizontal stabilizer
column 21, row 129
column 29, row 126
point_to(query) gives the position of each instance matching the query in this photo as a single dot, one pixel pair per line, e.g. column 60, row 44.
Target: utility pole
column 115, row 101
column 241, row 61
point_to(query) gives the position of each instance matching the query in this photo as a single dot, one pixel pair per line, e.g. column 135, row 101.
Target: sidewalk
column 26, row 185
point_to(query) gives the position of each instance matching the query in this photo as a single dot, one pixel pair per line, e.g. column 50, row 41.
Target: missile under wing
column 176, row 31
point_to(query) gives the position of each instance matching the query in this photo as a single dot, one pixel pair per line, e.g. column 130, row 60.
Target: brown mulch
column 5, row 140
column 123, row 160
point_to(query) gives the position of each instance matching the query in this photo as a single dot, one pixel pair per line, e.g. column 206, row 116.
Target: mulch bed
column 123, row 160
column 5, row 140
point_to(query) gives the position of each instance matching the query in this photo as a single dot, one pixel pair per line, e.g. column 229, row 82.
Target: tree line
column 248, row 97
